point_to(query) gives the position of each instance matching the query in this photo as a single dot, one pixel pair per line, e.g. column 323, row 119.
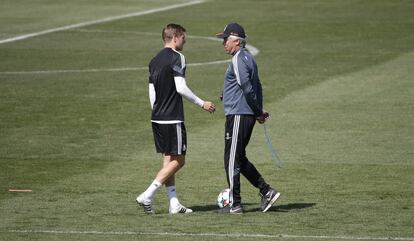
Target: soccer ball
column 223, row 198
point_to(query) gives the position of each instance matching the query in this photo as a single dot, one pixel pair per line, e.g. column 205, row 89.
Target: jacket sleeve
column 244, row 74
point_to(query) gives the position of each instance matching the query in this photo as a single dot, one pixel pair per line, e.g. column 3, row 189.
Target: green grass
column 337, row 77
column 27, row 17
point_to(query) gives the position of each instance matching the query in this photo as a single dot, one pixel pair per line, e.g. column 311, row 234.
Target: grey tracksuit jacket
column 242, row 92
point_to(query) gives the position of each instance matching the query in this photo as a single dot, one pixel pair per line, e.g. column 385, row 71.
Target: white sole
column 178, row 212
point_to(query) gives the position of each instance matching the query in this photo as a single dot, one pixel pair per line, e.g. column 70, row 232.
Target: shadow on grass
column 248, row 207
column 290, row 207
column 216, row 209
column 205, row 208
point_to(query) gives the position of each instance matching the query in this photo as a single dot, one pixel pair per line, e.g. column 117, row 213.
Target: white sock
column 172, row 195
column 151, row 190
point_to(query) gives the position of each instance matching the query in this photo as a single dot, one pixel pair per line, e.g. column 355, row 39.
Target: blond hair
column 172, row 30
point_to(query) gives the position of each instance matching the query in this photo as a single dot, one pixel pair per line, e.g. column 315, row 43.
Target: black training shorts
column 170, row 139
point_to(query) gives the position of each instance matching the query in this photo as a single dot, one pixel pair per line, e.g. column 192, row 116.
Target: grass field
column 74, row 123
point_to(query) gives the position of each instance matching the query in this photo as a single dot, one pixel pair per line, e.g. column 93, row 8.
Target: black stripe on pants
column 238, row 130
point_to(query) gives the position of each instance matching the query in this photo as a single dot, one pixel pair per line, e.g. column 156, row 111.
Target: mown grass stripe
column 233, row 235
column 104, row 20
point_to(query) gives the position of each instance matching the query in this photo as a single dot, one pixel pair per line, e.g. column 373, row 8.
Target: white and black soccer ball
column 223, row 198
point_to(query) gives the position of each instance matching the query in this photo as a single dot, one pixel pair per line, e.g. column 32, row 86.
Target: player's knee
column 181, row 163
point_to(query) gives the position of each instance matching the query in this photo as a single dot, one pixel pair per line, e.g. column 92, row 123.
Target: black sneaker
column 230, row 210
column 236, row 210
column 269, row 199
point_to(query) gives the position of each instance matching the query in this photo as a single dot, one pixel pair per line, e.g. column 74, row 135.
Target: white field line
column 108, row 19
column 231, row 235
column 72, row 71
column 253, row 50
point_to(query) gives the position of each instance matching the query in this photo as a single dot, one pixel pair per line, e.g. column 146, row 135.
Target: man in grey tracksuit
column 243, row 106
